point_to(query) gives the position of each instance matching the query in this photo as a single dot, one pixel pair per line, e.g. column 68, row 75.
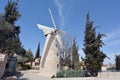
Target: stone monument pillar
column 3, row 61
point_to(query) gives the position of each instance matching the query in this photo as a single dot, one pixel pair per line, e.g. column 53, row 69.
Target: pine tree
column 9, row 32
column 75, row 56
column 11, row 12
column 30, row 56
column 12, row 15
column 38, row 51
column 94, row 57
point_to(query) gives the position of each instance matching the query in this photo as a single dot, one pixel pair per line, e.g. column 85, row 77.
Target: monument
column 3, row 61
column 50, row 64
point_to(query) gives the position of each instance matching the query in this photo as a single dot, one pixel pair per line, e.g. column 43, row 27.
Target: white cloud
column 112, row 43
column 60, row 11
column 113, row 38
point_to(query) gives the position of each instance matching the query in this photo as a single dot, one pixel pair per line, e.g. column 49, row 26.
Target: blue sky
column 70, row 16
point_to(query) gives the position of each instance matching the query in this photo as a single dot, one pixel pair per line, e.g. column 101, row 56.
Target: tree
column 117, row 61
column 30, row 56
column 9, row 32
column 11, row 12
column 12, row 15
column 6, row 34
column 66, row 53
column 69, row 55
column 38, row 51
column 75, row 56
column 94, row 57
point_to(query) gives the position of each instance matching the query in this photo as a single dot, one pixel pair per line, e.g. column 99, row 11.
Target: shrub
column 72, row 73
column 53, row 76
column 60, row 74
column 25, row 66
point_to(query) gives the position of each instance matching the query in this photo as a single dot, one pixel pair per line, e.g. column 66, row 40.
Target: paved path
column 33, row 75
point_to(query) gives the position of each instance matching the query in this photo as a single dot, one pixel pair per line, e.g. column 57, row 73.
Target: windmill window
column 57, row 65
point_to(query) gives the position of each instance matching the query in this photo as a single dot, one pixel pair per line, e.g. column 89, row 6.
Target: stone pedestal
column 11, row 66
column 3, row 61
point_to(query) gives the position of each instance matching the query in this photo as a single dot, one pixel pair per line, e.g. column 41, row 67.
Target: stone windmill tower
column 50, row 63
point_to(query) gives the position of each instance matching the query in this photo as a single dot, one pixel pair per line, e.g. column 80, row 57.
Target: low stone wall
column 89, row 78
column 109, row 74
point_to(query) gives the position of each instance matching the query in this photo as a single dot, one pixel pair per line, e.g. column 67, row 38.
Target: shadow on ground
column 17, row 76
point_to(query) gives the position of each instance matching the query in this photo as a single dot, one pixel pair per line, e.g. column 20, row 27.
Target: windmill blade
column 45, row 29
column 53, row 21
column 59, row 41
column 61, row 32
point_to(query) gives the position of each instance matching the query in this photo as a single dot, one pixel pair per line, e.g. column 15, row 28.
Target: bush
column 72, row 73
column 60, row 74
column 53, row 76
column 25, row 66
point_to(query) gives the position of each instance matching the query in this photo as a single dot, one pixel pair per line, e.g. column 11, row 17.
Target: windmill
column 49, row 63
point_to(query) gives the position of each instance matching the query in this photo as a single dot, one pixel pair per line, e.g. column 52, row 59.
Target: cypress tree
column 75, row 56
column 38, row 51
column 94, row 57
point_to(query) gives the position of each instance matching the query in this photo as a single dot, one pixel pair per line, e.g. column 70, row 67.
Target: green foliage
column 53, row 76
column 117, row 61
column 7, row 39
column 69, row 55
column 29, row 56
column 11, row 12
column 9, row 32
column 71, row 73
column 75, row 56
column 25, row 66
column 94, row 57
column 60, row 75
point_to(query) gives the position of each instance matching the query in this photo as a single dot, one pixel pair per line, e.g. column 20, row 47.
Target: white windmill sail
column 59, row 32
column 53, row 21
column 46, row 30
column 59, row 41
